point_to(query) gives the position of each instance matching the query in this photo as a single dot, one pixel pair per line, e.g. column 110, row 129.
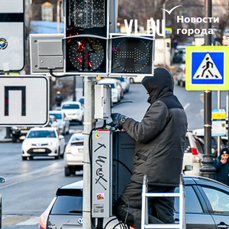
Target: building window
column 47, row 11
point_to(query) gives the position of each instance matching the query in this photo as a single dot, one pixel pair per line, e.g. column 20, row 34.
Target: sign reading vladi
column 206, row 68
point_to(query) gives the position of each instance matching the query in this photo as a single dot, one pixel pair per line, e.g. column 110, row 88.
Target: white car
column 74, row 111
column 73, row 155
column 181, row 75
column 43, row 142
column 124, row 82
column 62, row 120
column 193, row 154
column 115, row 88
column 53, row 122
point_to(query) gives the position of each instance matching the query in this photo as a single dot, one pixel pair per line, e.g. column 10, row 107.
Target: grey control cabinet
column 101, row 174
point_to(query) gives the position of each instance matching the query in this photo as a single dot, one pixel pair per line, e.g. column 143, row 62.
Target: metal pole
column 74, row 88
column 164, row 18
column 88, row 87
column 218, row 106
column 50, row 93
column 58, row 16
column 207, row 170
column 228, row 120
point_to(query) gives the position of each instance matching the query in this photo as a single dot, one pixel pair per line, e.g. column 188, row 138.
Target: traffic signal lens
column 86, row 54
column 131, row 55
column 86, row 17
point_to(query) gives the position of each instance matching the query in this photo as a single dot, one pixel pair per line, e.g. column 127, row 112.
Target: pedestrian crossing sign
column 206, row 68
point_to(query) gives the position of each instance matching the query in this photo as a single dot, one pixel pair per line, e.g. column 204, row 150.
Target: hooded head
column 224, row 151
column 159, row 85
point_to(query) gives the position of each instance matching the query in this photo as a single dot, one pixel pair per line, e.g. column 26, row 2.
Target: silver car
column 73, row 155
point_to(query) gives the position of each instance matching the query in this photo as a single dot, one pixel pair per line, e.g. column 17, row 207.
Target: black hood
column 159, row 85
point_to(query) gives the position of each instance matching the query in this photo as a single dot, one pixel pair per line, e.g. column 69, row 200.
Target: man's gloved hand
column 118, row 119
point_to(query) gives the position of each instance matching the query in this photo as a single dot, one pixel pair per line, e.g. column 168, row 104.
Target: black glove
column 118, row 119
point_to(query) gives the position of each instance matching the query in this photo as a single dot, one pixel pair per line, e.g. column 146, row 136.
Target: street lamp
column 164, row 18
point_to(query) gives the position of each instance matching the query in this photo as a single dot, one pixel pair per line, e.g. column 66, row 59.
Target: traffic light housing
column 86, row 36
column 132, row 55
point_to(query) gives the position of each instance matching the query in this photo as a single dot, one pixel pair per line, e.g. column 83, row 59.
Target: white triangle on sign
column 207, row 69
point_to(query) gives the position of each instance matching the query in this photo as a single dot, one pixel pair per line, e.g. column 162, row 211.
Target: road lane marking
column 13, row 220
column 30, row 221
column 38, row 173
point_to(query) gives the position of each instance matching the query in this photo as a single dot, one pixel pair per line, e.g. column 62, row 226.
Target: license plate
column 38, row 150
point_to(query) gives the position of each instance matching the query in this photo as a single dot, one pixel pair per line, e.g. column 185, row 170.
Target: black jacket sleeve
column 151, row 125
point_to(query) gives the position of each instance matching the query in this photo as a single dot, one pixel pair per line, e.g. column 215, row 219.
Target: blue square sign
column 207, row 68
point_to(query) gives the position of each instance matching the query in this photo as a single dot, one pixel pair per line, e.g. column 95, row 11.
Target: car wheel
column 62, row 155
column 24, row 158
column 177, row 82
column 67, row 171
column 58, row 156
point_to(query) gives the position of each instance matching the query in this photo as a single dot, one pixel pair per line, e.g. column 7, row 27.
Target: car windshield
column 67, row 205
column 77, row 144
column 121, row 79
column 57, row 116
column 76, row 138
column 70, row 106
column 42, row 134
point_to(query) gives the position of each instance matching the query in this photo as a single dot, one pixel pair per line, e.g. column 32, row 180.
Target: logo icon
column 170, row 11
column 3, row 43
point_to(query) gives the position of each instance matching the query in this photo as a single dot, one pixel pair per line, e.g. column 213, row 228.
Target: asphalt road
column 31, row 185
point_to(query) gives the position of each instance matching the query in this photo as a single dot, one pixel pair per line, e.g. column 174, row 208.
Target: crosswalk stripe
column 30, row 221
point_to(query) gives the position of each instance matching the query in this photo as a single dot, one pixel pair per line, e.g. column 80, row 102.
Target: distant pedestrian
column 58, row 99
column 221, row 164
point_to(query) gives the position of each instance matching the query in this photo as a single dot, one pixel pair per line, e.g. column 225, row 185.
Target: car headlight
column 29, row 144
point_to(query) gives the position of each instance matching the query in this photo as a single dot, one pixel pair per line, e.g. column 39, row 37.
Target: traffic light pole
column 88, row 117
column 207, row 170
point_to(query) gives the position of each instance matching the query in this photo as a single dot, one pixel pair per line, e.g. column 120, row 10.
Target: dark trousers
column 128, row 206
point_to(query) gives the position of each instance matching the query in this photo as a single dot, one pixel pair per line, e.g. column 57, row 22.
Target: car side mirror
column 187, row 168
column 2, row 180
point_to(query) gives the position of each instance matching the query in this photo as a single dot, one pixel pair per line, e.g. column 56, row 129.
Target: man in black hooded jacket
column 160, row 140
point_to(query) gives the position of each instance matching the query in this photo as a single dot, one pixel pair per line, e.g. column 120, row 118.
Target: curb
column 7, row 140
